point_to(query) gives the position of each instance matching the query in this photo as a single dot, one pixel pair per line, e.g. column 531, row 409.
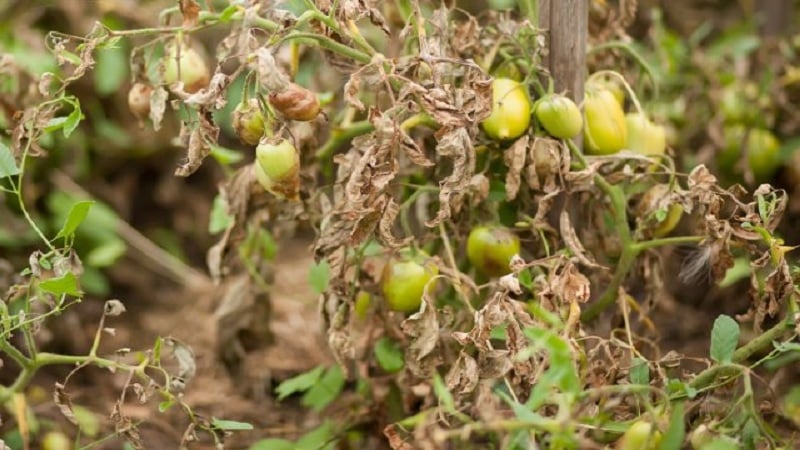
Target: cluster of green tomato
column 607, row 129
column 277, row 161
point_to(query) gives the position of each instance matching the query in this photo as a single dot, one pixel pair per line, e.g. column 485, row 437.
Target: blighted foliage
column 383, row 105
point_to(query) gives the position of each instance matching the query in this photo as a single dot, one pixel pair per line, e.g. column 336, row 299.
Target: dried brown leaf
column 514, row 158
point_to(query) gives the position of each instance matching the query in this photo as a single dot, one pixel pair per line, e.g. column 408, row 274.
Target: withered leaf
column 514, row 158
column 457, row 145
column 572, row 242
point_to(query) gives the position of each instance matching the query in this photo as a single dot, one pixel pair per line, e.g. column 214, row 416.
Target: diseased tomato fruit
column 652, row 200
column 490, row 249
column 404, row 279
column 511, row 110
column 56, row 440
column 560, row 116
column 296, row 103
column 762, row 147
column 184, row 63
column 139, row 100
column 644, row 136
column 642, row 435
column 249, row 122
column 277, row 167
column 605, row 131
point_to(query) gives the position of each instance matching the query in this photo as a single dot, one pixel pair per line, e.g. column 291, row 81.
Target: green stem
column 609, row 296
column 676, row 240
column 764, row 341
column 340, row 136
column 328, row 43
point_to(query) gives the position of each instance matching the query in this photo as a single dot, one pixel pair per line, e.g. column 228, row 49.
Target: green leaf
column 65, row 284
column 231, row 425
column 319, row 276
column 724, row 339
column 77, row 214
column 272, row 444
column 389, row 355
column 325, row 391
column 88, row 422
column 722, row 443
column 673, row 438
column 444, row 396
column 107, row 253
column 220, row 219
column 299, row 383
column 320, row 438
column 8, row 165
column 111, row 69
column 165, row 405
column 225, row 156
column 640, row 371
column 73, row 120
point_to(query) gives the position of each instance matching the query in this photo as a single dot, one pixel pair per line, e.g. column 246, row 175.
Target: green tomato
column 640, row 436
column 644, row 136
column 511, row 110
column 186, row 65
column 649, row 203
column 404, row 279
column 249, row 122
column 490, row 249
column 610, row 84
column 277, row 168
column 560, row 116
column 605, row 131
column 56, row 440
column 763, row 151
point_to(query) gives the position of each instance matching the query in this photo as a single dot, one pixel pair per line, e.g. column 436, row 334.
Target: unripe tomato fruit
column 640, row 436
column 609, row 84
column 184, row 63
column 490, row 249
column 248, row 122
column 277, row 167
column 605, row 131
column 139, row 100
column 511, row 110
column 644, row 136
column 560, row 116
column 56, row 440
column 649, row 204
column 404, row 279
column 763, row 150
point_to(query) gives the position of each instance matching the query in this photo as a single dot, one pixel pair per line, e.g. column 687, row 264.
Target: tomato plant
column 511, row 110
column 642, row 435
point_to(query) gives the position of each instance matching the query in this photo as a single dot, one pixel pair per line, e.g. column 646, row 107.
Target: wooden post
column 776, row 16
column 567, row 25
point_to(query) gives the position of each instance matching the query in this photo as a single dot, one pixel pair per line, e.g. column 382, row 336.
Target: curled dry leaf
column 422, row 328
column 197, row 141
column 455, row 144
column 514, row 158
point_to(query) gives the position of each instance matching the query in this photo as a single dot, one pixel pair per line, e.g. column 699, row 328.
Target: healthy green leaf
column 231, row 425
column 325, row 391
column 111, row 69
column 65, row 284
column 8, row 165
column 299, row 383
column 389, row 355
column 220, row 219
column 73, row 119
column 319, row 276
column 272, row 444
column 724, row 339
column 673, row 438
column 106, row 253
column 77, row 214
column 640, row 371
column 320, row 438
